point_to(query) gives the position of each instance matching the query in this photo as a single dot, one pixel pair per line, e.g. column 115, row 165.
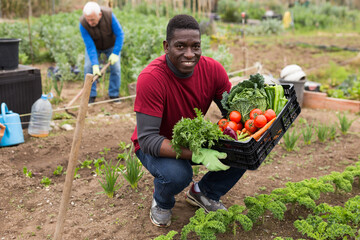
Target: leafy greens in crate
column 195, row 134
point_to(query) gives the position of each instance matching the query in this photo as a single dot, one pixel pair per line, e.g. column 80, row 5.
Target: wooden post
column 157, row 2
column 167, row 7
column 53, row 7
column 73, row 158
column 29, row 29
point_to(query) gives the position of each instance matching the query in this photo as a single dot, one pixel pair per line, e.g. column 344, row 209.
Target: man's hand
column 113, row 58
column 96, row 70
column 210, row 159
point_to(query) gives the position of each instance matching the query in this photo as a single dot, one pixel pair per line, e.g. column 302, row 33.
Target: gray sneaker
column 158, row 216
column 200, row 200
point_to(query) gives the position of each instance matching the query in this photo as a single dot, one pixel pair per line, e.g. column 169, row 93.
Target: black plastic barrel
column 9, row 53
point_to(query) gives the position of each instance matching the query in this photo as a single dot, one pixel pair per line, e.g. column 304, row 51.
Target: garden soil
column 28, row 210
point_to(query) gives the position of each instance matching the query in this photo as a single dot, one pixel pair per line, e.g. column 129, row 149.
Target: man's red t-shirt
column 160, row 93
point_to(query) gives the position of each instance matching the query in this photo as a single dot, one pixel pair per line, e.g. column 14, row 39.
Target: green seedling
column 345, row 123
column 123, row 146
column 27, row 172
column 76, row 174
column 58, row 171
column 45, row 181
column 322, row 132
column 133, row 172
column 106, row 150
column 98, row 165
column 290, row 140
column 307, row 134
column 121, row 156
column 302, row 121
column 98, row 161
column 332, row 132
column 262, row 188
column 99, row 169
column 86, row 164
column 109, row 177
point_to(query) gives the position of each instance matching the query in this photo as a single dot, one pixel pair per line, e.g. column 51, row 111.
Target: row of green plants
column 332, row 222
column 322, row 132
column 57, row 38
column 295, row 194
column 314, row 16
column 339, row 81
column 107, row 171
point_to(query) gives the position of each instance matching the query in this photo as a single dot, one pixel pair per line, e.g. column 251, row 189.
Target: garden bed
column 29, row 210
column 318, row 100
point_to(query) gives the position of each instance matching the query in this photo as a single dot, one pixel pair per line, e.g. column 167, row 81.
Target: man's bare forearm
column 167, row 151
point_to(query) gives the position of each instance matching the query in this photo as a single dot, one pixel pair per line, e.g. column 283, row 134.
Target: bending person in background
column 169, row 88
column 102, row 33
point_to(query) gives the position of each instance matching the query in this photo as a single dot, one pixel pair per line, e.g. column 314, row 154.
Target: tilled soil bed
column 29, row 210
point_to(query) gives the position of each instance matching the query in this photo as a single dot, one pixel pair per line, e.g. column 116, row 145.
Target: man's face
column 184, row 49
column 93, row 19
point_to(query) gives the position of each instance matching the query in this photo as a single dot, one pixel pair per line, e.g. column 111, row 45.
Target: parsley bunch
column 195, row 134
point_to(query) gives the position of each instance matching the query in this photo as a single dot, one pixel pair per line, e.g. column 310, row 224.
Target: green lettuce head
column 246, row 96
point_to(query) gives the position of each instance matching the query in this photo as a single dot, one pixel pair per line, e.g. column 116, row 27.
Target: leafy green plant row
column 303, row 193
column 310, row 17
column 323, row 132
column 108, row 173
column 338, row 81
column 331, row 222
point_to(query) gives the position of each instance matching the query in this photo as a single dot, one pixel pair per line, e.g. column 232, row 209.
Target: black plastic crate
column 250, row 154
column 19, row 89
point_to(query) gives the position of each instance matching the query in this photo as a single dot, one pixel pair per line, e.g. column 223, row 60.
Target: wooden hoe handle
column 73, row 158
column 82, row 90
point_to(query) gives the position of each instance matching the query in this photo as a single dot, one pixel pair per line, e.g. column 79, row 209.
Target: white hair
column 91, row 7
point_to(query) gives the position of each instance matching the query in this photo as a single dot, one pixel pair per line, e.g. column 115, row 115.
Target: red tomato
column 249, row 125
column 239, row 126
column 254, row 113
column 232, row 125
column 222, row 122
column 260, row 121
column 235, row 116
column 269, row 114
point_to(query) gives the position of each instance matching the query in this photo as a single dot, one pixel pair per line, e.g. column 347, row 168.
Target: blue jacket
column 90, row 45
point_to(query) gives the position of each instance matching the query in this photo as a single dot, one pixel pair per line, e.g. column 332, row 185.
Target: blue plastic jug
column 13, row 132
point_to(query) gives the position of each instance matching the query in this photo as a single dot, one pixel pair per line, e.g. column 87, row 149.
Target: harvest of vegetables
column 261, row 131
column 244, row 134
column 254, row 127
column 254, row 94
column 253, row 104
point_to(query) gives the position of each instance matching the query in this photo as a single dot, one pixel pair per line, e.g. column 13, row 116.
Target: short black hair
column 181, row 21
